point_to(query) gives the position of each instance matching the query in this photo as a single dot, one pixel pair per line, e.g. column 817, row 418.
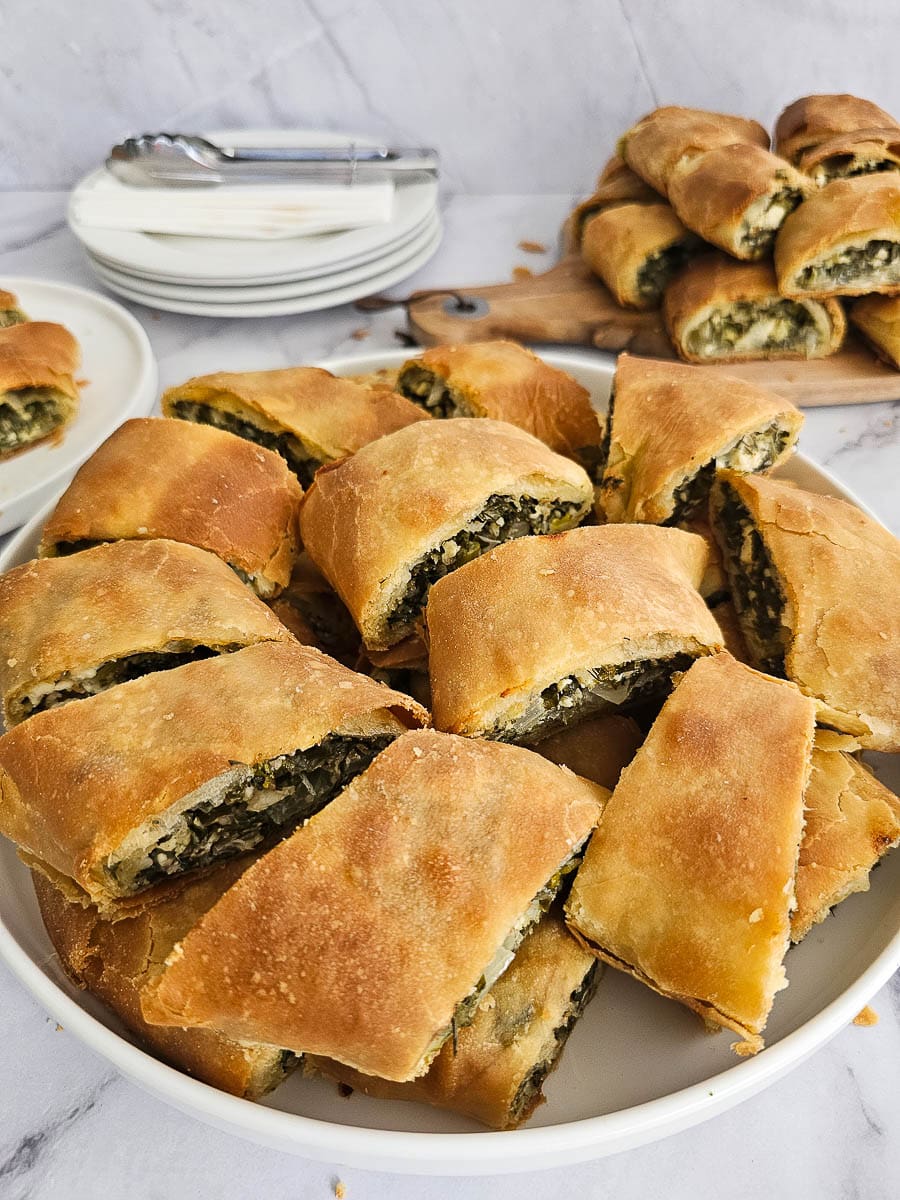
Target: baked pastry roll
column 843, row 241
column 506, row 382
column 598, row 749
column 815, row 583
column 373, row 932
column 719, row 310
column 305, row 414
column 579, row 624
column 878, row 319
column 315, row 614
column 175, row 771
column 852, row 821
column 383, row 379
column 38, row 392
column 688, row 883
column 72, row 627
column 617, row 184
column 737, row 197
column 636, row 249
column 406, row 510
column 811, row 120
column 669, row 136
column 864, row 152
column 114, row 961
column 496, row 1069
column 10, row 312
column 673, row 426
column 188, row 483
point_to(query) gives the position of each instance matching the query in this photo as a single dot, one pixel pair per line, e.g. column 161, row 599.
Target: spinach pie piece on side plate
column 636, row 249
column 38, row 392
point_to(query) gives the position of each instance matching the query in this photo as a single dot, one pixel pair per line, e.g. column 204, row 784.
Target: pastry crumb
column 522, row 273
column 339, row 1190
column 532, row 247
column 866, row 1016
column 360, row 335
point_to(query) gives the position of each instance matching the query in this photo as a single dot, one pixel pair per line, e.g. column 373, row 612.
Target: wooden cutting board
column 568, row 304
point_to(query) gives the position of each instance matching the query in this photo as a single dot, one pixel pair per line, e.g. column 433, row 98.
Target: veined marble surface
column 72, row 1129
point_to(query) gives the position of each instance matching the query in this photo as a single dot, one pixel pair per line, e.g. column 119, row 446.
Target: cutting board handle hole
column 457, row 305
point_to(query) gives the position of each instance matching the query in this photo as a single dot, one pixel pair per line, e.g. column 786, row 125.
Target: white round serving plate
column 364, row 275
column 637, row 1067
column 119, row 377
column 330, row 298
column 236, row 261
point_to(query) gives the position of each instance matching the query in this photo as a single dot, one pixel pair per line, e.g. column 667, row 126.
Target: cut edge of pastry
column 756, row 329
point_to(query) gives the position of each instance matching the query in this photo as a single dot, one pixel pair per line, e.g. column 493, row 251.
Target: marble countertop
column 70, row 1127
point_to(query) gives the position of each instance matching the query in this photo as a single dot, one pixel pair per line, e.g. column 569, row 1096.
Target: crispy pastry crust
column 513, row 1031
column 597, row 749
column 114, row 963
column 878, row 319
column 812, row 120
column 618, row 242
column 331, row 417
column 846, row 214
column 190, row 483
column 852, row 821
column 714, row 192
column 356, row 937
column 713, row 280
column 432, row 478
column 852, row 152
column 670, row 420
column 841, row 573
column 73, row 614
column 688, row 883
column 39, row 354
column 667, row 136
column 76, row 781
column 506, row 382
column 617, row 184
column 509, row 624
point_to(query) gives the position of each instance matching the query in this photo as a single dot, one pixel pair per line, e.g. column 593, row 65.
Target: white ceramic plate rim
column 137, row 403
column 301, row 304
column 477, row 1153
column 139, row 251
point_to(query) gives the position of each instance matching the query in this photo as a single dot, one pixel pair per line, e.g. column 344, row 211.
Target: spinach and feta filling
column 502, row 519
column 846, row 166
column 754, row 451
column 756, row 326
column 243, row 808
column 27, row 415
column 530, row 1088
column 75, row 685
column 764, row 218
column 589, row 691
column 430, row 390
column 654, row 276
column 11, row 316
column 877, row 262
column 291, row 449
column 756, row 589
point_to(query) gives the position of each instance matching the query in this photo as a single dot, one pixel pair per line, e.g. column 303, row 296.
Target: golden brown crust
column 811, row 120
column 852, row 821
column 592, row 597
column 506, row 382
column 846, row 214
column 8, row 300
column 841, row 573
column 618, row 242
column 714, row 281
column 715, row 193
column 597, row 749
column 371, row 923
column 67, row 615
column 669, row 420
column 77, row 780
column 878, row 319
column 617, row 184
column 331, row 417
column 190, row 483
column 688, row 882
column 513, row 1031
column 38, row 354
column 852, row 153
column 667, row 136
column 113, row 962
column 432, row 479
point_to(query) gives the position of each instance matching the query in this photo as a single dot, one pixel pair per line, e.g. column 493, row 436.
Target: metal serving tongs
column 176, row 159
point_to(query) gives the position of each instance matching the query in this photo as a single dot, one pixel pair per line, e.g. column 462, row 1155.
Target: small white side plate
column 120, row 378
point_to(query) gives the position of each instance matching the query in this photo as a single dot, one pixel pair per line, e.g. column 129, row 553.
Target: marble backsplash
column 518, row 95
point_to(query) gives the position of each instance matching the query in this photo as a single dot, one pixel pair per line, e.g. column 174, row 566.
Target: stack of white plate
column 225, row 277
